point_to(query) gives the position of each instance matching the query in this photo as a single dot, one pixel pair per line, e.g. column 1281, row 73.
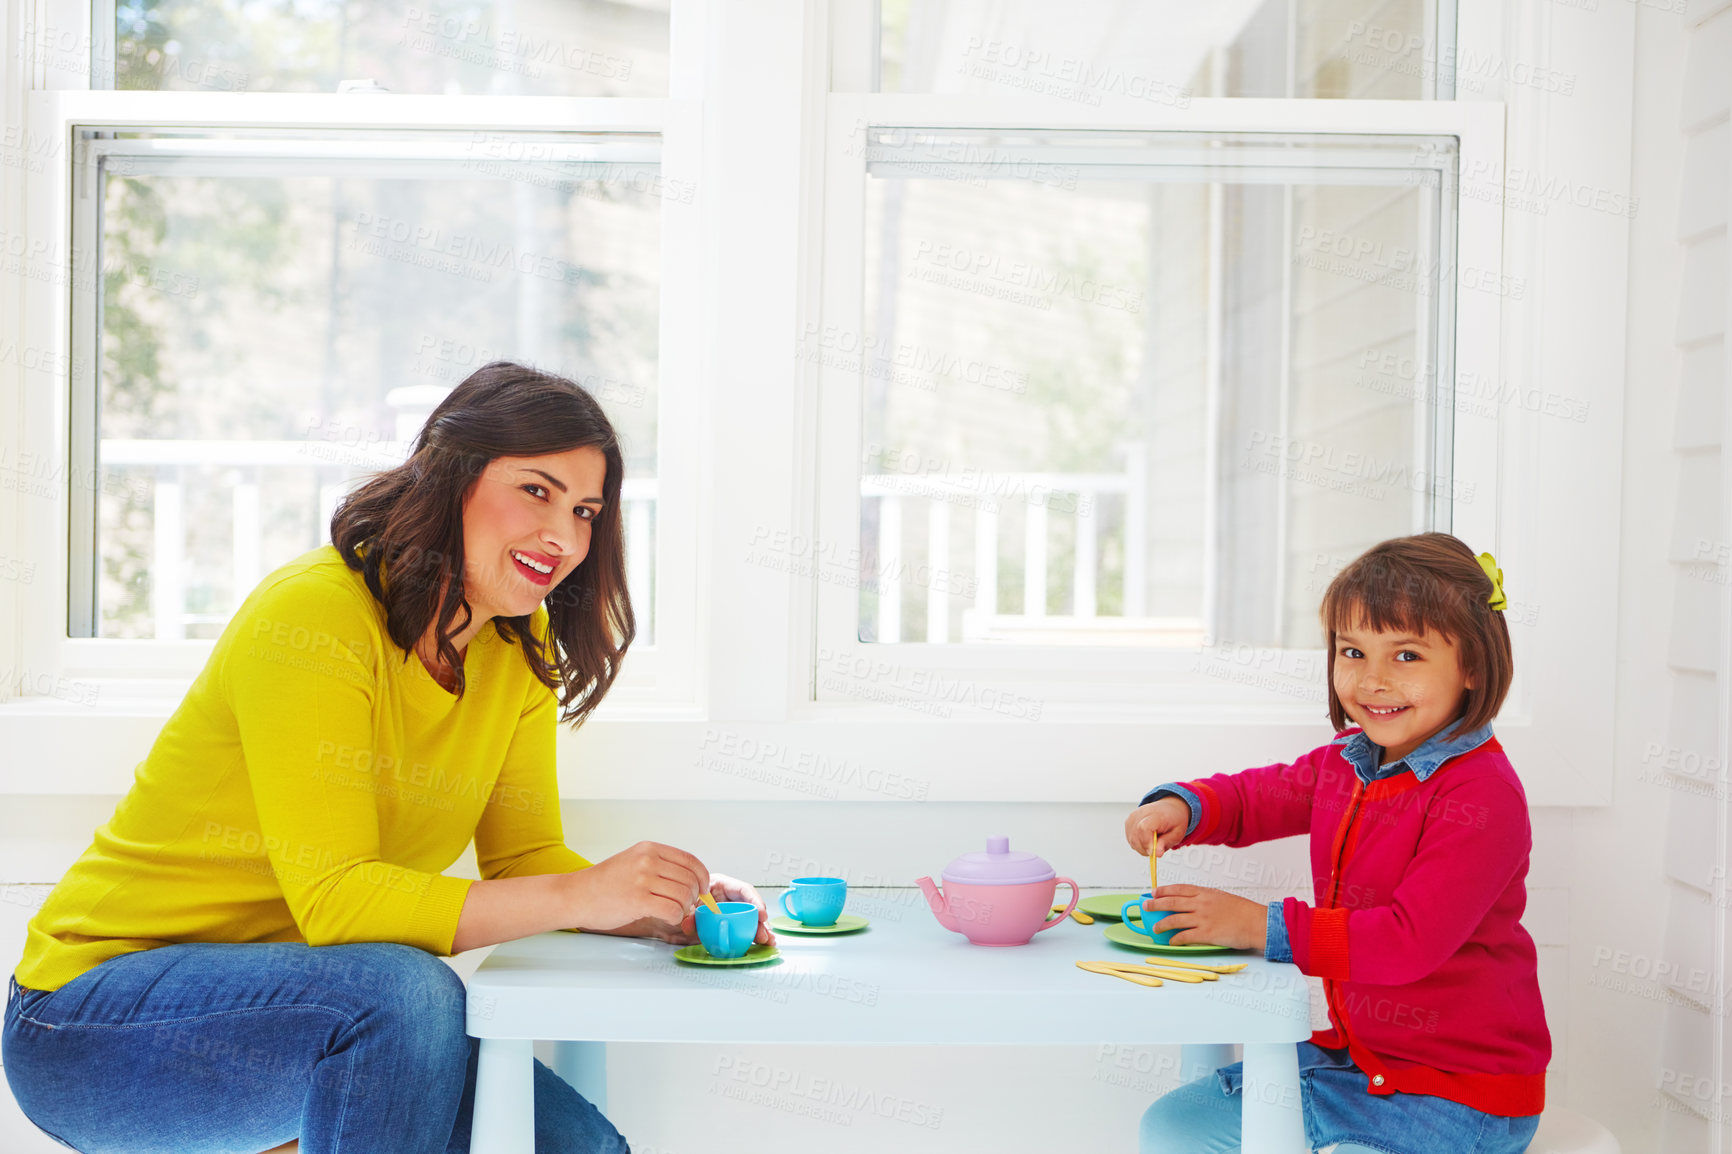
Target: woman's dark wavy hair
column 403, row 530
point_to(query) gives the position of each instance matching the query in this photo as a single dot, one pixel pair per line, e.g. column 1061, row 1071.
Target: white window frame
column 659, row 673
column 1064, row 675
column 765, row 78
column 1070, row 685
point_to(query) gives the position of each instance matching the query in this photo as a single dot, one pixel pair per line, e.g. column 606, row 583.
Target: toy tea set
column 726, row 930
column 1000, row 897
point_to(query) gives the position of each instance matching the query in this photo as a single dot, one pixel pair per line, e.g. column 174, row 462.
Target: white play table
column 907, row 982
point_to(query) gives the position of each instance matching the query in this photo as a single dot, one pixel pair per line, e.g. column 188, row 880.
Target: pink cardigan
column 1431, row 980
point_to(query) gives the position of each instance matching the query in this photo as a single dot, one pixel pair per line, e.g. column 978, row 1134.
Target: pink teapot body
column 997, row 898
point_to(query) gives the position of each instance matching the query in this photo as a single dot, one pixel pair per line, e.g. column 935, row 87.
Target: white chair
column 1563, row 1131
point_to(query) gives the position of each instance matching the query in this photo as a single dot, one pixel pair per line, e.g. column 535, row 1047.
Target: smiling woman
column 533, row 464
column 373, row 707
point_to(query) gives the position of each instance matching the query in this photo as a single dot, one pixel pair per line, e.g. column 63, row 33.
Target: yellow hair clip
column 1489, row 564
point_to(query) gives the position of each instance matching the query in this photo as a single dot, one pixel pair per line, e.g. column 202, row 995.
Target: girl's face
column 1398, row 687
column 526, row 526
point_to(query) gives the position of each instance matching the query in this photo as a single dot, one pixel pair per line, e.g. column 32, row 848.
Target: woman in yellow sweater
column 247, row 954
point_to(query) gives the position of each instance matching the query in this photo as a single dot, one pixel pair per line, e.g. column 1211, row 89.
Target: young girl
column 1419, row 846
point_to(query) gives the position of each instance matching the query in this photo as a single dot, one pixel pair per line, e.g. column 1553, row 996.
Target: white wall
column 1692, row 1098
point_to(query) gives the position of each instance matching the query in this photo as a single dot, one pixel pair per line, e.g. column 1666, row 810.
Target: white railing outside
column 339, row 466
column 1048, row 497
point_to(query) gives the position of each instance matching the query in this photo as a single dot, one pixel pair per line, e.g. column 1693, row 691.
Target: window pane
column 273, row 333
column 541, row 48
column 1168, row 51
column 1133, row 402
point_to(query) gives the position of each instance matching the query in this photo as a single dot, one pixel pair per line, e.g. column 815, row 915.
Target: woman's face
column 526, row 526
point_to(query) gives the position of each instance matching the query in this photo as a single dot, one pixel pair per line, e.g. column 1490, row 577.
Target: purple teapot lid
column 998, row 866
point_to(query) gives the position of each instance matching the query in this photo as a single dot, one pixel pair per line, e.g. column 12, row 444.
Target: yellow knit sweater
column 311, row 787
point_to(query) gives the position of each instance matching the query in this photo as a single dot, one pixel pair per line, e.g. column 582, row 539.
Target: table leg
column 504, row 1098
column 1196, row 1060
column 583, row 1065
column 1273, row 1120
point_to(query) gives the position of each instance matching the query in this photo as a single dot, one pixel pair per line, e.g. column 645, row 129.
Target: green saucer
column 1125, row 936
column 845, row 924
column 698, row 956
column 1106, row 905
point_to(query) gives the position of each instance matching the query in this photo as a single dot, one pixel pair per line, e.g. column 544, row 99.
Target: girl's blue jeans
column 1199, row 1118
column 1203, row 1117
column 195, row 1049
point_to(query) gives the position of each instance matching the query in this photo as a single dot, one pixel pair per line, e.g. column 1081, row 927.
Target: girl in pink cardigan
column 1419, row 845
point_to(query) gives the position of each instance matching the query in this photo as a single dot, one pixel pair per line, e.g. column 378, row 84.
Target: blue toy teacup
column 815, row 901
column 1160, row 938
column 730, row 933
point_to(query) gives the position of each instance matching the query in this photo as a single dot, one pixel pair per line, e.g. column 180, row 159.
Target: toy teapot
column 1002, row 897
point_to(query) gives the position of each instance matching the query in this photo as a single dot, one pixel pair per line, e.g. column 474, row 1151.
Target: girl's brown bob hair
column 403, row 530
column 1430, row 581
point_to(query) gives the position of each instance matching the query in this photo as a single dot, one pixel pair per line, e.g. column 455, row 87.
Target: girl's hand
column 644, row 891
column 1211, row 917
column 726, row 889
column 1161, row 823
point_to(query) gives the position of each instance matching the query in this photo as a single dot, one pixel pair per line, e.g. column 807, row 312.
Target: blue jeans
column 1198, row 1118
column 1203, row 1117
column 196, row 1049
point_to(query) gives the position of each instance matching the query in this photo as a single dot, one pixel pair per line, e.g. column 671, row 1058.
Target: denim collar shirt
column 1366, row 755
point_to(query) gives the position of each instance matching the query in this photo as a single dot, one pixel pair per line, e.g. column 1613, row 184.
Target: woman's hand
column 638, row 892
column 726, row 889
column 1210, row 917
column 1162, row 822
column 680, row 928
